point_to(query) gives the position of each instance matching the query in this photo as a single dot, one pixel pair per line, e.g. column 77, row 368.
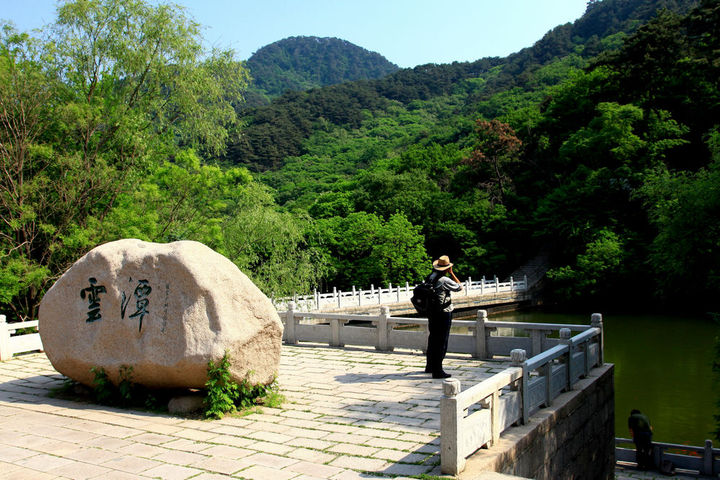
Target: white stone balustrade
column 704, row 460
column 11, row 344
column 391, row 294
column 476, row 417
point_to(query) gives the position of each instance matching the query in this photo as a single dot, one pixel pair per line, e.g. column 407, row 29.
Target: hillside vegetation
column 599, row 146
column 582, row 146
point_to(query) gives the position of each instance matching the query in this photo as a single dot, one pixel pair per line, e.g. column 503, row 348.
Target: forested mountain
column 277, row 131
column 598, row 146
column 591, row 145
column 302, row 63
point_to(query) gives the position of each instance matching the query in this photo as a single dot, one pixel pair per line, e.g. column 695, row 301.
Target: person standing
column 641, row 432
column 440, row 316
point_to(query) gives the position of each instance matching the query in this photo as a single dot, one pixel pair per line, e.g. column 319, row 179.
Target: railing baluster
column 5, row 353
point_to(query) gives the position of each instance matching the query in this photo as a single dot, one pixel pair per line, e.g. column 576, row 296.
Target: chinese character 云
column 93, row 296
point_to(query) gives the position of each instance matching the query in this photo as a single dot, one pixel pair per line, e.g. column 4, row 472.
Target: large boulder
column 163, row 309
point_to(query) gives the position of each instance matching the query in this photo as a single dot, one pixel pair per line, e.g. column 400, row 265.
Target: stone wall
column 573, row 439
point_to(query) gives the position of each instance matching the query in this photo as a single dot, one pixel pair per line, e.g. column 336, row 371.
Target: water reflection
column 663, row 366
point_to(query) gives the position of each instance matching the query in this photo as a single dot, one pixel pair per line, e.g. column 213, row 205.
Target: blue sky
column 406, row 32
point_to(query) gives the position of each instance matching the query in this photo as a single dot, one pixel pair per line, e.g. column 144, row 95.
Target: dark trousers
column 643, row 449
column 439, row 325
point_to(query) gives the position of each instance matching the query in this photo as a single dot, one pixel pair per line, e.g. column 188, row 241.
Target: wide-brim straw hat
column 442, row 263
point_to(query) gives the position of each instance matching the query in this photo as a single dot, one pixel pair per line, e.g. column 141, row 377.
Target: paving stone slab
column 349, row 413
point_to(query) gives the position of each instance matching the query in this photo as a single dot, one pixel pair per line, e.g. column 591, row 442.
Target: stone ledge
column 530, row 446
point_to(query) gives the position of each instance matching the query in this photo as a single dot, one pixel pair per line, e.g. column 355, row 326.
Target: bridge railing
column 704, row 460
column 484, row 338
column 477, row 416
column 391, row 294
column 12, row 343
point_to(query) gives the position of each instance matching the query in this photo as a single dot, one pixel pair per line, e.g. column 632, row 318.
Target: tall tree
column 117, row 85
column 496, row 148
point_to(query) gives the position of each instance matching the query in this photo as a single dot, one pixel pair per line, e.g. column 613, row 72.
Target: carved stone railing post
column 495, row 418
column 707, row 467
column 565, row 335
column 5, row 353
column 336, row 325
column 452, row 461
column 290, row 335
column 596, row 321
column 519, row 357
column 480, row 339
column 383, row 330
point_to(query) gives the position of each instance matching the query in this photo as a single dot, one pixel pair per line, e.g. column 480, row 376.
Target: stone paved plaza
column 348, row 414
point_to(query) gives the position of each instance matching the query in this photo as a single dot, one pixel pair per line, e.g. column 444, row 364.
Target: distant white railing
column 703, row 460
column 10, row 343
column 391, row 294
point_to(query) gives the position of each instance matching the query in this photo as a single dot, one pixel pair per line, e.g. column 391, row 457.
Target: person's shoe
column 441, row 374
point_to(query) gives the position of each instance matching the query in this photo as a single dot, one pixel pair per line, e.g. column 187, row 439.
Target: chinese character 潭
column 93, row 295
column 141, row 301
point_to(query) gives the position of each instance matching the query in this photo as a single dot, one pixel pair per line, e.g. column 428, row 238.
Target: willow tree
column 86, row 109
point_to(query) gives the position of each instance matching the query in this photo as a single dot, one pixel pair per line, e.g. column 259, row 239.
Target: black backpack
column 427, row 296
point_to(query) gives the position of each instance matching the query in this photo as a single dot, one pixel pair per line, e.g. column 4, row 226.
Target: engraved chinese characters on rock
column 141, row 293
column 93, row 296
column 194, row 305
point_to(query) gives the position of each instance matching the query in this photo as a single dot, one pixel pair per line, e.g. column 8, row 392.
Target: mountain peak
column 304, row 62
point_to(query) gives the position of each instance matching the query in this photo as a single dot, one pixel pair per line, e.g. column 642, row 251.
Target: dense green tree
column 116, row 86
column 685, row 208
column 364, row 249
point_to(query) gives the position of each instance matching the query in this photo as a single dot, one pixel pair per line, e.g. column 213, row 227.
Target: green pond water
column 663, row 367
